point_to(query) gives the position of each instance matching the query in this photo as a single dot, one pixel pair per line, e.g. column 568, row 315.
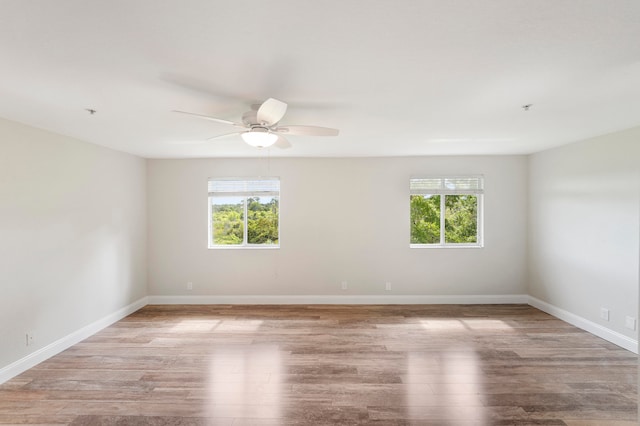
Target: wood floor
column 325, row 364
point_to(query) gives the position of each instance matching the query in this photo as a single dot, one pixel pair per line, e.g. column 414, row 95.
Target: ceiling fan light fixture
column 259, row 138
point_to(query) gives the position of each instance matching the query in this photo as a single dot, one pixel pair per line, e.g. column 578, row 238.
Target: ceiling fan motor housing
column 250, row 118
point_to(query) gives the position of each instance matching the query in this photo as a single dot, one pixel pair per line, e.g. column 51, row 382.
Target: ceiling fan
column 262, row 128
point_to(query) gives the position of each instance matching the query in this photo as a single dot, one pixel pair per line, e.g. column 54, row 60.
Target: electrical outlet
column 387, row 286
column 344, row 285
column 189, row 285
column 630, row 323
column 29, row 339
column 604, row 314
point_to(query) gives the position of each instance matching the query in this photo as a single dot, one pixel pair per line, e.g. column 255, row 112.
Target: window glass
column 461, row 219
column 425, row 219
column 244, row 212
column 446, row 211
column 262, row 220
column 228, row 220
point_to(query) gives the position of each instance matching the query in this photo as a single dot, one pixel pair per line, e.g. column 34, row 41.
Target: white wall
column 584, row 228
column 341, row 219
column 72, row 236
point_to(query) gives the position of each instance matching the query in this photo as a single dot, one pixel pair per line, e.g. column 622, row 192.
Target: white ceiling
column 396, row 77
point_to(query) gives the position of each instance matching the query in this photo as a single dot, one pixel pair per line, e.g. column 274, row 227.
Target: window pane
column 262, row 220
column 425, row 219
column 461, row 219
column 228, row 220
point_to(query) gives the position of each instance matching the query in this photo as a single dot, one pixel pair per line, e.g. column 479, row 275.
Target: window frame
column 442, row 192
column 245, row 196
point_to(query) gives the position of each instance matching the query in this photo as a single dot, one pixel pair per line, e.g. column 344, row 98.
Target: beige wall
column 584, row 228
column 72, row 236
column 341, row 219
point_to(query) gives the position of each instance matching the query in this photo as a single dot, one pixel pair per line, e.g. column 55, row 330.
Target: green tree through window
column 262, row 221
column 445, row 211
column 244, row 212
column 425, row 219
column 228, row 222
column 461, row 219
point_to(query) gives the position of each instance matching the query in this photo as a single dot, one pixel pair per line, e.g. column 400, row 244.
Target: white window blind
column 446, row 185
column 252, row 187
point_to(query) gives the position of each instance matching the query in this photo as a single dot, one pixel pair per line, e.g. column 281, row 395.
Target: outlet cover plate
column 630, row 323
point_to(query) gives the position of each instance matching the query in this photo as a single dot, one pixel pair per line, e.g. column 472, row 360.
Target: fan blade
column 307, row 130
column 271, row 111
column 282, row 143
column 206, row 117
column 224, row 136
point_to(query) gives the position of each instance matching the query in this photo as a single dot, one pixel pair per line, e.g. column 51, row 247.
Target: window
column 446, row 211
column 244, row 212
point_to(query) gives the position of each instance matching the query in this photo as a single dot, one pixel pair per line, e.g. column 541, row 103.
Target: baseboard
column 590, row 326
column 60, row 345
column 338, row 300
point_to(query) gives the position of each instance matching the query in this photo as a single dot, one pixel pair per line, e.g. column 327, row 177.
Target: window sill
column 241, row 247
column 446, row 246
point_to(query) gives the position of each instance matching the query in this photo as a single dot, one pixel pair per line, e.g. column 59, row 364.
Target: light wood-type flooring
column 329, row 364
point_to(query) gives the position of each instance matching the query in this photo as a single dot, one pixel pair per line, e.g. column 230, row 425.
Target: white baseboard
column 338, row 300
column 590, row 326
column 67, row 341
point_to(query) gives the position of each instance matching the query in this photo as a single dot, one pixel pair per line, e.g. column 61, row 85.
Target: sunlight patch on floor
column 465, row 325
column 244, row 381
column 432, row 394
column 195, row 325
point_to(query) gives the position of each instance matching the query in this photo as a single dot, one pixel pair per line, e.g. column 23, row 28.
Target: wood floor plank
column 238, row 365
